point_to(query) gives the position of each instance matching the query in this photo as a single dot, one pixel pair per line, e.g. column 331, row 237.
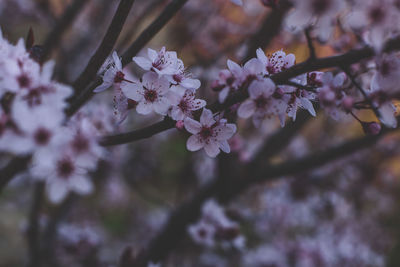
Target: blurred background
column 344, row 214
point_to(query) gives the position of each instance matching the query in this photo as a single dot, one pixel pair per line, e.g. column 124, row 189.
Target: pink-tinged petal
column 224, row 146
column 339, row 79
column 102, row 87
column 223, row 94
column 282, row 119
column 191, row 83
column 133, row 91
column 305, row 103
column 144, row 108
column 206, row 118
column 388, row 115
column 81, row 185
column 109, row 75
column 152, row 54
column 142, row 62
column 161, row 107
column 262, row 57
column 56, row 191
column 327, row 78
column 224, row 132
column 266, row 87
column 234, row 67
column 290, row 60
column 254, row 66
column 149, row 78
column 161, row 85
column 117, row 61
column 173, row 98
column 212, row 149
column 197, row 104
column 246, row 109
column 192, row 126
column 194, row 143
column 177, row 114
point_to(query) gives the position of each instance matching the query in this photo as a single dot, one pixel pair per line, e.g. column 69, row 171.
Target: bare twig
column 66, row 20
column 283, row 77
column 106, row 46
column 310, row 44
column 169, row 11
column 33, row 231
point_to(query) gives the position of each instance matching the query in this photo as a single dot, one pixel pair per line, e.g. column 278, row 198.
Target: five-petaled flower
column 210, row 134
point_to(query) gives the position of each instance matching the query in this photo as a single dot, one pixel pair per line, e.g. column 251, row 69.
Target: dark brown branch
column 269, row 29
column 362, row 91
column 106, row 46
column 33, row 231
column 283, row 77
column 169, row 11
column 62, row 26
column 311, row 48
column 15, row 166
column 175, row 229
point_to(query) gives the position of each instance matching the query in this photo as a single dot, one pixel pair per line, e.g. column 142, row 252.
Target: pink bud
column 372, row 128
column 179, row 125
column 347, row 103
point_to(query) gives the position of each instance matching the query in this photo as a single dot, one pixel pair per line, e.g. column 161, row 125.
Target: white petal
column 133, row 91
column 388, row 115
column 161, row 107
column 56, row 190
column 308, row 105
column 262, row 57
column 81, row 185
column 224, row 146
column 212, row 149
column 207, row 118
column 117, row 61
column 194, row 143
column 142, row 62
column 192, row 126
column 223, row 94
column 144, row 108
column 191, row 83
column 246, row 109
column 152, row 54
column 102, row 87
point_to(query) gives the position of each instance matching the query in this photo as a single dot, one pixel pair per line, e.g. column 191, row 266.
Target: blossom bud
column 179, row 125
column 347, row 103
column 372, row 128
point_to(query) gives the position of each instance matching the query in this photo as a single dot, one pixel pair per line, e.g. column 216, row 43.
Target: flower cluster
column 215, row 228
column 32, row 121
column 167, row 89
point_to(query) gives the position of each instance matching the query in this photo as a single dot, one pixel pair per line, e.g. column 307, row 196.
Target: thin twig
column 169, row 11
column 105, row 47
column 62, row 25
column 175, row 229
column 15, row 166
column 33, row 231
column 362, row 91
column 283, row 77
column 310, row 44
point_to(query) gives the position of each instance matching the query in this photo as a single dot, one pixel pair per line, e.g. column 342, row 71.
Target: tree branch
column 105, row 47
column 283, row 77
column 169, row 11
column 66, row 20
column 15, row 166
column 175, row 228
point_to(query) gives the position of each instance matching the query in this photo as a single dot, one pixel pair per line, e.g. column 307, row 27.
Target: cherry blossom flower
column 187, row 104
column 379, row 19
column 319, row 13
column 277, row 62
column 265, row 100
column 209, row 134
column 113, row 75
column 181, row 80
column 151, row 94
column 163, row 62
